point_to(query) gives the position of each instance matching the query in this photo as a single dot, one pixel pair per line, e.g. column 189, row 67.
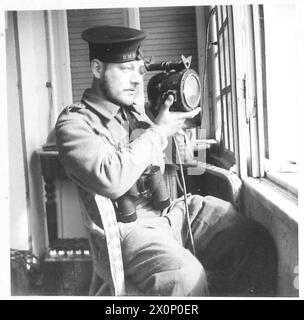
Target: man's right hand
column 171, row 122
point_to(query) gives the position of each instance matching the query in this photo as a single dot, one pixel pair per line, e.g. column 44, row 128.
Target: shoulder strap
column 87, row 106
column 110, row 225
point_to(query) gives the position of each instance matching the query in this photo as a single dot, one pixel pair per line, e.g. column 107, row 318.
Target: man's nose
column 136, row 78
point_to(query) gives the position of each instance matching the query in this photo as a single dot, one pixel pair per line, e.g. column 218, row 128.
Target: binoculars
column 150, row 185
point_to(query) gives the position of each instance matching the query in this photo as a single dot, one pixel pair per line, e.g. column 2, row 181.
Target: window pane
column 216, row 76
column 226, row 137
column 227, row 60
column 223, row 118
column 282, row 106
column 224, row 12
column 222, row 62
column 213, row 29
column 230, row 121
column 211, row 115
column 219, row 12
column 215, row 71
column 218, row 119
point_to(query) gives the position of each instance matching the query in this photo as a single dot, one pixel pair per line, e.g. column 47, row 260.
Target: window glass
column 282, row 107
column 253, row 69
column 222, row 83
column 218, row 118
column 224, row 13
column 227, row 60
column 216, row 76
column 226, row 137
column 230, row 121
column 222, row 61
column 219, row 14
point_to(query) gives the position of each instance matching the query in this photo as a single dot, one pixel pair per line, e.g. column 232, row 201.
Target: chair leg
column 96, row 282
column 105, row 290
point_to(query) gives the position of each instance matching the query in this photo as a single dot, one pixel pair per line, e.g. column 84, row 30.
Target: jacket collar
column 106, row 108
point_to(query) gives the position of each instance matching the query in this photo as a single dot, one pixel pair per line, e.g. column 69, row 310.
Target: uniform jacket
column 93, row 146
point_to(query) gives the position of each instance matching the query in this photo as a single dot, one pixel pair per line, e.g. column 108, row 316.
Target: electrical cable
column 183, row 188
column 180, row 187
column 185, row 200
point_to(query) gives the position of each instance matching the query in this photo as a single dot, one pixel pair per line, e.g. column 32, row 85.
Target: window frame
column 248, row 84
column 222, row 88
column 282, row 174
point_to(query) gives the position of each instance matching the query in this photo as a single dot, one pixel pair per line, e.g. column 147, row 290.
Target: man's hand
column 171, row 122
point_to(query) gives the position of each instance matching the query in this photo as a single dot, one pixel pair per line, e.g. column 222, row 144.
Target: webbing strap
column 111, row 230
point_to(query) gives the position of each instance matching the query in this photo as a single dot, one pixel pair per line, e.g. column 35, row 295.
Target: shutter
column 171, row 33
column 79, row 20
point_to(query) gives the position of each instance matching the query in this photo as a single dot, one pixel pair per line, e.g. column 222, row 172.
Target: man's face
column 120, row 81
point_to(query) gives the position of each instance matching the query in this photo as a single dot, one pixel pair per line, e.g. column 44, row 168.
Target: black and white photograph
column 151, row 150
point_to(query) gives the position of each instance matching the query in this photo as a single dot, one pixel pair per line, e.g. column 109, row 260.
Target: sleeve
column 96, row 165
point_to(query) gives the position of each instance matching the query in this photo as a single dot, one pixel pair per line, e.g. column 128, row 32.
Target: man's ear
column 96, row 67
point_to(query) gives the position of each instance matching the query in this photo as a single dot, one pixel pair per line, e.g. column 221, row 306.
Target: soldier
column 93, row 140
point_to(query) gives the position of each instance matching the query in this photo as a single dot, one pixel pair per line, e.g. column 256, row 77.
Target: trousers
column 234, row 255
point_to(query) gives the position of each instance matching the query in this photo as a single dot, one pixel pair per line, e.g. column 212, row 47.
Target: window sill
column 286, row 180
column 283, row 173
column 274, row 198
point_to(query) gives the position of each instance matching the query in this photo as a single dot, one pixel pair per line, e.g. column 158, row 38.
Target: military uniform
column 93, row 146
column 93, row 143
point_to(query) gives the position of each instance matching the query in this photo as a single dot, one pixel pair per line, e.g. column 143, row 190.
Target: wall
column 18, row 185
column 278, row 215
column 171, row 32
column 79, row 20
column 37, row 54
column 29, row 122
column 4, row 168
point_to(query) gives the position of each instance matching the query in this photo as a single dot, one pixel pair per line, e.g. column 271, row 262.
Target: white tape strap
column 108, row 217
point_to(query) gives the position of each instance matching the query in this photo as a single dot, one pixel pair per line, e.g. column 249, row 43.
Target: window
column 253, row 89
column 273, row 134
column 281, row 143
column 223, row 114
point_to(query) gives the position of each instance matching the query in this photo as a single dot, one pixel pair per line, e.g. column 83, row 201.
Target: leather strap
column 108, row 217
